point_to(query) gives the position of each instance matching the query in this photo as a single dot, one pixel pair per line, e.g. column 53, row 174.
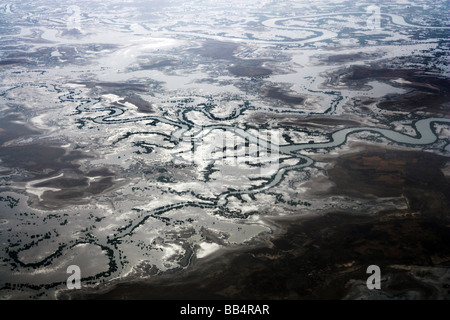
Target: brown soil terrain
column 143, row 105
column 157, row 64
column 221, row 50
column 217, row 49
column 249, row 68
column 44, row 161
column 302, row 121
column 74, row 188
column 116, row 86
column 11, row 62
column 41, row 160
column 428, row 92
column 276, row 93
column 345, row 57
column 10, row 130
column 318, row 122
column 415, row 175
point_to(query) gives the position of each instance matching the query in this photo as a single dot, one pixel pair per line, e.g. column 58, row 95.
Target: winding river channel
column 425, row 135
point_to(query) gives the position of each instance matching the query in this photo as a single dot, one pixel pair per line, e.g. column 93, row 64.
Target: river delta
column 224, row 150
